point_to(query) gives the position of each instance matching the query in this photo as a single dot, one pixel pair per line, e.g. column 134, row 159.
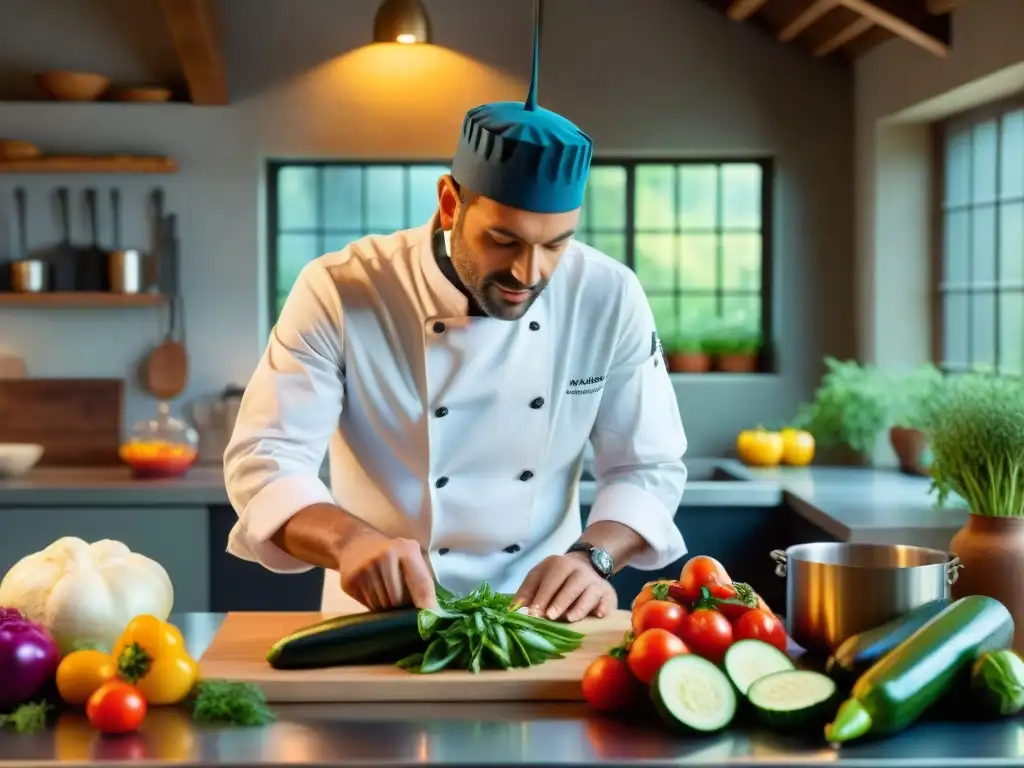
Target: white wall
column 647, row 77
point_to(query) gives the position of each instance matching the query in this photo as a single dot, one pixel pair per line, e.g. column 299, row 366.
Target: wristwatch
column 600, row 559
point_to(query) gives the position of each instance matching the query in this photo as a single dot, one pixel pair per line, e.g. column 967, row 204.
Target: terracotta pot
column 911, row 447
column 689, row 362
column 991, row 550
column 736, row 363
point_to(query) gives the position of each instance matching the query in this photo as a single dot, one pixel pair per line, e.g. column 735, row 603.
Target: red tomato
column 757, row 624
column 652, row 649
column 658, row 614
column 701, row 571
column 609, row 685
column 733, row 612
column 707, row 633
column 647, row 594
column 116, row 707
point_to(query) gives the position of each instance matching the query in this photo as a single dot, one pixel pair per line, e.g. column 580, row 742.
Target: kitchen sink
column 702, row 471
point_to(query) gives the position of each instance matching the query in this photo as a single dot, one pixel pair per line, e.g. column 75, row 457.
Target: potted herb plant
column 850, row 407
column 975, row 428
column 686, row 355
column 734, row 350
column 913, row 395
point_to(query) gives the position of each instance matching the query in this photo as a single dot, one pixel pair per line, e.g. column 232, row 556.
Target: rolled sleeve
column 289, row 411
column 639, row 440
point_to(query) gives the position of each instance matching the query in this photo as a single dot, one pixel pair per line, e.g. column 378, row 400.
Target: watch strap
column 600, row 559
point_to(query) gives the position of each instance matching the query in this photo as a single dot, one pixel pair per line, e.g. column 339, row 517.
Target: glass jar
column 164, row 447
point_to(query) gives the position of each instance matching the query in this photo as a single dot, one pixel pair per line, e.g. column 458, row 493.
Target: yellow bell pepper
column 797, row 447
column 759, row 447
column 151, row 655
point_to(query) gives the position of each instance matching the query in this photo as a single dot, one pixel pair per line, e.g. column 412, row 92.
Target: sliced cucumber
column 747, row 661
column 692, row 693
column 796, row 699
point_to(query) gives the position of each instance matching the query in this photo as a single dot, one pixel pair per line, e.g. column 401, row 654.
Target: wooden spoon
column 166, row 371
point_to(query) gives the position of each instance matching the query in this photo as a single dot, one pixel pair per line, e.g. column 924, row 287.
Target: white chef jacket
column 464, row 433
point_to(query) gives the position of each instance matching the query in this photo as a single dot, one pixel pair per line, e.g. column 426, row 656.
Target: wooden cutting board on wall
column 77, row 421
column 238, row 652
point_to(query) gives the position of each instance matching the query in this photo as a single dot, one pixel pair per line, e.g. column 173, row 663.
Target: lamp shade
column 401, row 21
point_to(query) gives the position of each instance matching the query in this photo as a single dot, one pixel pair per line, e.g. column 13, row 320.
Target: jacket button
column 512, row 548
column 534, row 325
column 443, row 551
column 441, row 412
column 526, row 475
column 438, row 327
column 536, row 403
column 441, row 482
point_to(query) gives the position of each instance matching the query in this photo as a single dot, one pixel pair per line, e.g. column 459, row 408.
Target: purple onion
column 11, row 614
column 28, row 661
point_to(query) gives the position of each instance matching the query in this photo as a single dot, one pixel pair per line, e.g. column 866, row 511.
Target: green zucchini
column 747, row 661
column 997, row 684
column 692, row 694
column 856, row 654
column 923, row 668
column 381, row 637
column 794, row 700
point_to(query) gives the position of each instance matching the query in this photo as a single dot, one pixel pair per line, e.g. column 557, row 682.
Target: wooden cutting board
column 238, row 652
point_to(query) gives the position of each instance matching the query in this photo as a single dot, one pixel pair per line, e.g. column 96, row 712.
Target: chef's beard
column 485, row 289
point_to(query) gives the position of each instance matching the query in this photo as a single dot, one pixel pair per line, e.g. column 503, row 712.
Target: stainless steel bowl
column 834, row 591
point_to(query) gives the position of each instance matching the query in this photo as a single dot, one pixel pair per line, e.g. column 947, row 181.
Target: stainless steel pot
column 834, row 591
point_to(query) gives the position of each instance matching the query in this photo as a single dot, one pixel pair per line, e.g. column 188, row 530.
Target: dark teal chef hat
column 522, row 155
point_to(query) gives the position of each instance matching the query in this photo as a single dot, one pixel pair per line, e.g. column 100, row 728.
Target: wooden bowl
column 145, row 94
column 65, row 85
column 16, row 149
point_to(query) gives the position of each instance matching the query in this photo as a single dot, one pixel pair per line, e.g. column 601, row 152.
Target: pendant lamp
column 402, row 21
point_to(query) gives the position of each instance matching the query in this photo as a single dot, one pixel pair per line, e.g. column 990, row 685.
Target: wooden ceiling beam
column 845, row 35
column 741, row 10
column 193, row 32
column 807, row 17
column 930, row 33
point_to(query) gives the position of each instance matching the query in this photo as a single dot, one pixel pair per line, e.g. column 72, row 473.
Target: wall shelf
column 91, row 164
column 81, row 299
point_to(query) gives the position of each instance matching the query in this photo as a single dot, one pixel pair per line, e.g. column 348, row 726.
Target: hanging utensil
column 94, row 259
column 27, row 275
column 63, row 258
column 125, row 264
column 166, row 370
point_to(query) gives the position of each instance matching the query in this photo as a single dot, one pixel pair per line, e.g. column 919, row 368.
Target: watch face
column 602, row 561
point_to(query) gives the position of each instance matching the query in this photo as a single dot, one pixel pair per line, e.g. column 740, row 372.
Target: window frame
column 941, row 132
column 767, row 292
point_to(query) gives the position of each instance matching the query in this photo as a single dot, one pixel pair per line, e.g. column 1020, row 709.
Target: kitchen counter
column 111, row 487
column 484, row 734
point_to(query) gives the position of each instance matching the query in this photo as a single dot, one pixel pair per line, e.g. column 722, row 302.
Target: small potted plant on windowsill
column 734, row 350
column 686, row 354
column 913, row 396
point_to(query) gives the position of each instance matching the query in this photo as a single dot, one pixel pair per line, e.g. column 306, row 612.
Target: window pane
column 741, row 262
column 423, row 193
column 983, row 331
column 343, row 197
column 1011, row 243
column 655, row 197
column 296, row 198
column 335, row 241
column 697, row 314
column 741, row 196
column 698, row 261
column 610, row 245
column 957, row 247
column 385, row 198
column 606, row 198
column 1011, row 155
column 655, row 261
column 698, row 196
column 954, row 329
column 1011, row 333
column 293, row 253
column 743, row 312
column 664, row 310
column 958, row 169
column 983, row 245
column 983, row 162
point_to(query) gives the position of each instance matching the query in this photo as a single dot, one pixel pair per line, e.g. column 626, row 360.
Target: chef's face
column 504, row 256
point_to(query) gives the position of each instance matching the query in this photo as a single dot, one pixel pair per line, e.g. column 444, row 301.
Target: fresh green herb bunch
column 975, row 427
column 728, row 340
column 484, row 630
column 851, row 406
column 682, row 344
column 914, row 395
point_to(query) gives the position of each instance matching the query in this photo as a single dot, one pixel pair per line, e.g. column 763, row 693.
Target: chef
column 454, row 373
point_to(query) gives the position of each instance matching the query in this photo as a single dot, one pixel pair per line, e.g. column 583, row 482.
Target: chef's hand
column 381, row 572
column 566, row 587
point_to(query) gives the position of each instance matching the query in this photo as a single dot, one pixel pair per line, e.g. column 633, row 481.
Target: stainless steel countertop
column 483, row 734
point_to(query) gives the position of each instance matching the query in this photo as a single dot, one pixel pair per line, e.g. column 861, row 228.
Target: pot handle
column 953, row 569
column 779, row 556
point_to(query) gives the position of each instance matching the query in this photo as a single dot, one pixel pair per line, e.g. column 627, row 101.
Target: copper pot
column 738, row 363
column 911, row 447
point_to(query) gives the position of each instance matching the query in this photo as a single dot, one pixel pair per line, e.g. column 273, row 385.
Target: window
column 981, row 288
column 697, row 233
